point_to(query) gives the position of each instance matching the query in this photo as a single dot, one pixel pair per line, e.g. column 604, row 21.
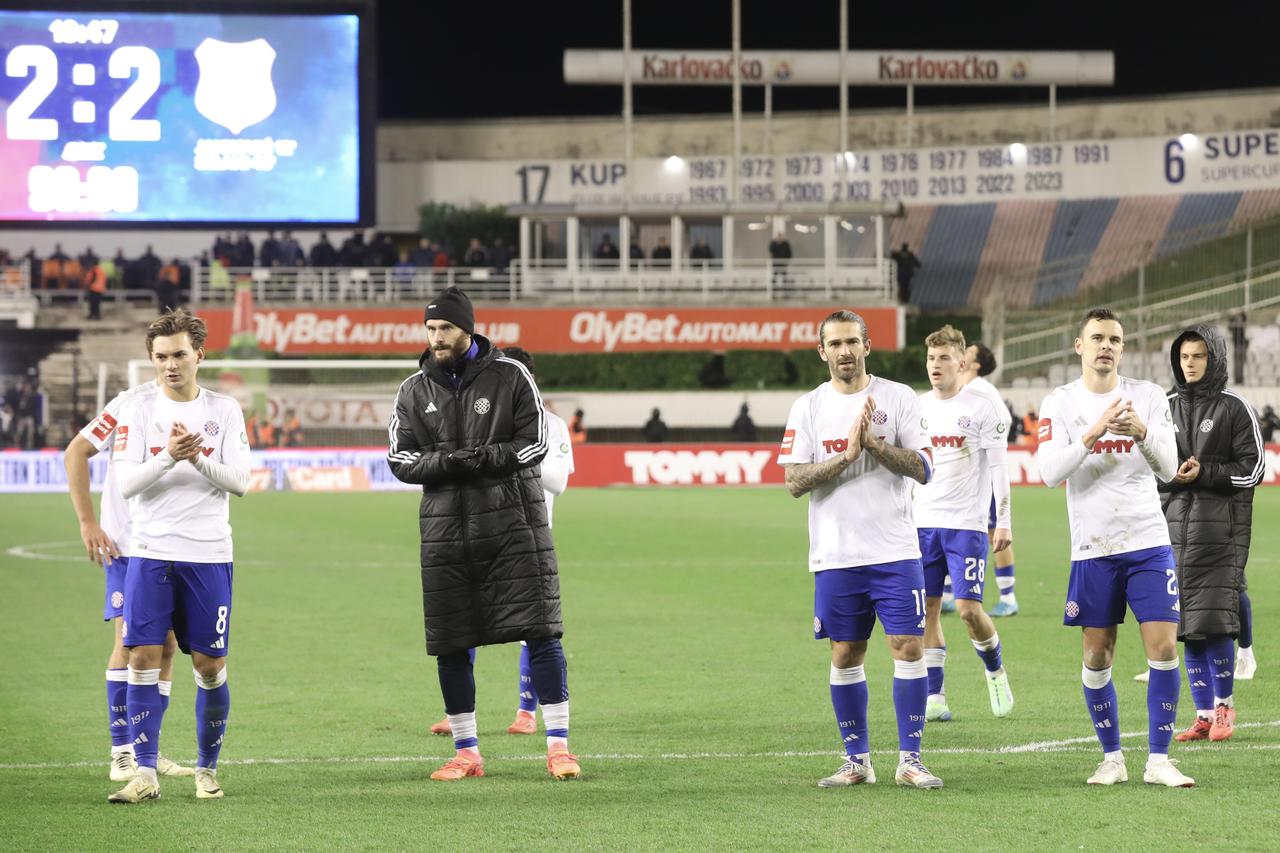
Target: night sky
column 445, row 60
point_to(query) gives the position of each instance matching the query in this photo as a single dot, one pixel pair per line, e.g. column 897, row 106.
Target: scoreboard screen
column 179, row 118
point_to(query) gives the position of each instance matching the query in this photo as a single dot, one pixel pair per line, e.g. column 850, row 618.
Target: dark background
column 445, row 60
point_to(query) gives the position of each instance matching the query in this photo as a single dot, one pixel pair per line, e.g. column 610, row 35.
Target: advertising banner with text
column 362, row 469
column 389, row 331
column 1112, row 168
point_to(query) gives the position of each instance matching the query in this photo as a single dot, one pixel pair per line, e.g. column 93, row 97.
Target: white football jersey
column 101, row 433
column 182, row 516
column 862, row 517
column 983, row 388
column 558, row 463
column 1112, row 503
column 961, row 429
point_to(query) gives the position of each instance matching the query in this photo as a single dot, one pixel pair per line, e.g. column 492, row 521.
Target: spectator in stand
column 577, row 428
column 95, row 286
column 291, row 430
column 289, row 253
column 115, row 269
column 442, row 257
column 55, row 270
column 661, row 255
column 269, row 251
column 476, row 256
column 1015, row 424
column 323, row 254
column 744, row 429
column 5, row 258
column 636, row 253
column 244, row 251
column 382, row 252
column 352, row 252
column 166, row 285
column 223, row 246
column 1239, row 325
column 424, row 255
column 1030, row 426
column 33, row 268
column 908, row 264
column 780, row 253
column 148, row 267
column 1268, row 423
column 7, row 419
column 701, row 252
column 26, row 414
column 88, row 258
column 58, row 254
column 607, row 251
column 655, row 431
column 500, row 255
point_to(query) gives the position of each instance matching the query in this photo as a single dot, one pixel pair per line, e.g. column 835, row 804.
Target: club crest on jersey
column 880, row 417
column 211, row 428
column 1073, row 610
column 963, row 422
column 1206, row 424
column 482, row 406
column 117, row 599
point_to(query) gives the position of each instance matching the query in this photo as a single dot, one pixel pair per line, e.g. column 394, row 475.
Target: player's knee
column 907, row 648
column 1097, row 657
column 207, row 667
column 845, row 655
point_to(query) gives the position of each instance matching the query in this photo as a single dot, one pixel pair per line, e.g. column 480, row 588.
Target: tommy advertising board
column 388, row 331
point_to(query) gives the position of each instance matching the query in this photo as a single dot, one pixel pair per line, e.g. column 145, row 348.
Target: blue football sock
column 1100, row 697
column 935, row 662
column 1198, row 677
column 549, row 672
column 145, row 714
column 1246, row 621
column 910, row 695
column 849, row 699
column 1221, row 651
column 528, row 696
column 989, row 652
column 1004, row 580
column 117, row 715
column 213, row 706
column 1162, row 704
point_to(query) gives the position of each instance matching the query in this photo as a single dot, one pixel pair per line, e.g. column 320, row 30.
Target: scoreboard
column 180, row 118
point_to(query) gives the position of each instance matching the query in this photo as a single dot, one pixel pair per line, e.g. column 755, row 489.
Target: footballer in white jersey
column 1109, row 438
column 107, row 544
column 557, row 465
column 970, row 439
column 854, row 445
column 178, row 454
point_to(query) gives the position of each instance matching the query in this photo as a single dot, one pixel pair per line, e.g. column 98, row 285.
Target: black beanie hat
column 452, row 305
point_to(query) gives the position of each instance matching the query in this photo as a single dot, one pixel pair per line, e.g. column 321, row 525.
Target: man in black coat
column 469, row 427
column 1209, row 507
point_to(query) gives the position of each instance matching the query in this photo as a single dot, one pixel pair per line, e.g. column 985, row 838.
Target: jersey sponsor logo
column 1114, row 445
column 210, row 428
column 564, row 447
column 431, row 407
column 155, row 451
column 835, row 445
column 1206, row 424
column 1073, row 610
column 122, row 438
column 788, row 440
column 686, row 467
column 1000, row 427
column 103, row 426
column 1046, row 430
column 947, row 440
column 482, row 406
column 880, row 417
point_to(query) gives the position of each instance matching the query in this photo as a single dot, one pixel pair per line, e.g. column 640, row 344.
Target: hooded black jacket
column 488, row 563
column 1210, row 517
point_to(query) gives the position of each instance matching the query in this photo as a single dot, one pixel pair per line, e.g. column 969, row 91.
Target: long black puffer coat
column 1210, row 517
column 488, row 564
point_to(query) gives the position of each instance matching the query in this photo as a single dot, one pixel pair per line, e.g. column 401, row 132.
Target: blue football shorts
column 113, row 601
column 191, row 599
column 846, row 602
column 1145, row 580
column 962, row 554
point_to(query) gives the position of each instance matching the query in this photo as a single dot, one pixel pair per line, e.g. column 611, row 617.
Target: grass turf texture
column 701, row 709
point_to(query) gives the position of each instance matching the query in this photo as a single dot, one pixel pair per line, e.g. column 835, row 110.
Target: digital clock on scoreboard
column 148, row 114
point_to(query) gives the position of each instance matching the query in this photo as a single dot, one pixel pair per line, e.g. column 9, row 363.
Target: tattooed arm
column 803, row 477
column 902, row 461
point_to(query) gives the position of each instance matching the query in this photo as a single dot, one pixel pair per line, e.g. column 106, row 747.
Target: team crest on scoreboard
column 235, row 88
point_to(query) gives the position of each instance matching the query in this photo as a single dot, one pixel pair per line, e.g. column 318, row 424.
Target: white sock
column 1118, row 755
column 148, row 773
column 1230, row 701
column 463, row 726
column 556, row 717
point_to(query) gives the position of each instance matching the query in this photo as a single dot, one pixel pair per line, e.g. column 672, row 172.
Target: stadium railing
column 552, row 281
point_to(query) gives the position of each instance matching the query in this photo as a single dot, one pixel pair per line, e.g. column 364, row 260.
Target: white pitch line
column 1067, row 745
column 24, row 552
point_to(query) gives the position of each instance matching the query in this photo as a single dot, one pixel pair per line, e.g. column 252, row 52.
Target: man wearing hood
column 469, row 427
column 1209, row 507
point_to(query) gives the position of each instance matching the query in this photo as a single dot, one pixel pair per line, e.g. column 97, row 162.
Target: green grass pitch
column 700, row 702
